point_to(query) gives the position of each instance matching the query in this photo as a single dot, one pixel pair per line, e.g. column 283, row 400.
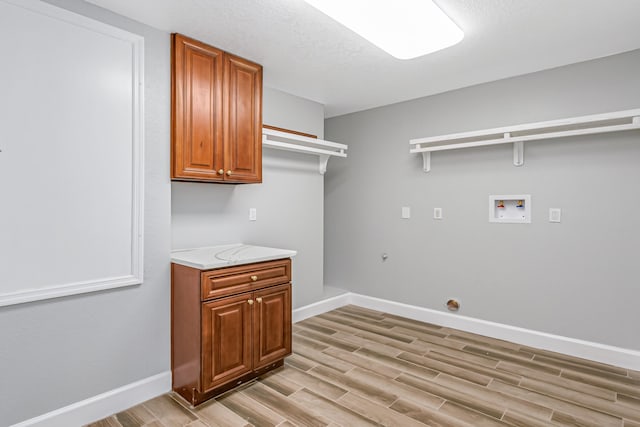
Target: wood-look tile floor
column 357, row 367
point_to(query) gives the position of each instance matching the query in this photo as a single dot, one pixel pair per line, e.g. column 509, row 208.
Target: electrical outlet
column 253, row 214
column 437, row 213
column 406, row 212
column 555, row 214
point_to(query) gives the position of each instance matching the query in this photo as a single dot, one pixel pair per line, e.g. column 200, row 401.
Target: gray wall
column 578, row 278
column 57, row 352
column 289, row 201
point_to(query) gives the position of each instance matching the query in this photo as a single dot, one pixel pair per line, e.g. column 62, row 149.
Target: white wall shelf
column 518, row 134
column 303, row 144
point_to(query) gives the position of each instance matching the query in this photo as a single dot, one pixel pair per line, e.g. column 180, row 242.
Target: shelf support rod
column 518, row 153
column 426, row 161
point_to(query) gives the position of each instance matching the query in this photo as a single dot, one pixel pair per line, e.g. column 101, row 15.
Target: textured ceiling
column 307, row 54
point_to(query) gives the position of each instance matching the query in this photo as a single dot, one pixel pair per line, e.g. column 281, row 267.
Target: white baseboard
column 617, row 356
column 111, row 402
column 321, row 307
column 103, row 405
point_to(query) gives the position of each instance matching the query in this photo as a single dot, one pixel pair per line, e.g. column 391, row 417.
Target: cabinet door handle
column 250, row 302
column 254, row 278
column 228, row 173
column 221, row 172
column 259, row 299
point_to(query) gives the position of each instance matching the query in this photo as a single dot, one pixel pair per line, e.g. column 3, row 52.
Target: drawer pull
column 259, row 299
column 254, row 278
column 250, row 302
column 229, row 173
column 221, row 172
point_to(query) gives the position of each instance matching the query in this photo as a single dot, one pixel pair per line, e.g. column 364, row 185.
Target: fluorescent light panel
column 403, row 28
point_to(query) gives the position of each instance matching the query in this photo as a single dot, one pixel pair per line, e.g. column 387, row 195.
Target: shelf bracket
column 426, row 161
column 322, row 163
column 518, row 153
column 281, row 139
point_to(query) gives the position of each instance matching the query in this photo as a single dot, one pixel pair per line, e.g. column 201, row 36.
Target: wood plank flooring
column 357, row 367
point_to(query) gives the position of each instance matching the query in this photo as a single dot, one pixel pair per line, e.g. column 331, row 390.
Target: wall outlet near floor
column 437, row 213
column 253, row 214
column 555, row 214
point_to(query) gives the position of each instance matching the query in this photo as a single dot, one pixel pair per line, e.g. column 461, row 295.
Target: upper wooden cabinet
column 216, row 116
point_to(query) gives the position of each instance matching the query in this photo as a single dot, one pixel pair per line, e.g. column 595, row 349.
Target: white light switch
column 437, row 213
column 253, row 214
column 406, row 212
column 555, row 214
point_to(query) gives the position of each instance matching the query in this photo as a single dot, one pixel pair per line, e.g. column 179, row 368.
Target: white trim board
column 617, row 356
column 103, row 405
column 122, row 398
column 320, row 307
column 96, row 222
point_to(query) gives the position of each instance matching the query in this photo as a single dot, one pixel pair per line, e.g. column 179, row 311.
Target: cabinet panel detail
column 241, row 279
column 272, row 325
column 200, row 110
column 226, row 340
column 243, row 118
column 197, row 129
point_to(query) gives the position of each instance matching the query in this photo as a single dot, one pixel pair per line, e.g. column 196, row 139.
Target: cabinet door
column 272, row 325
column 243, row 120
column 226, row 340
column 197, row 130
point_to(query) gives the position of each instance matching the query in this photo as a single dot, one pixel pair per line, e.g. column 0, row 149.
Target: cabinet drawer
column 231, row 280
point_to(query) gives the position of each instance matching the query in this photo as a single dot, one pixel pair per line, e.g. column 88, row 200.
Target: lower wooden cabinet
column 221, row 342
column 271, row 325
column 226, row 340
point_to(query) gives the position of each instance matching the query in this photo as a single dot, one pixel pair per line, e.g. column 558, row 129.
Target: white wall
column 289, row 201
column 57, row 352
column 576, row 279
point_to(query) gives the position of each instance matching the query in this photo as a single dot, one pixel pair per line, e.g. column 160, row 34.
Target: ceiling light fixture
column 403, row 28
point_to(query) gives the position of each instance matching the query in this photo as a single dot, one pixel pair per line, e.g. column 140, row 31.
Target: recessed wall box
column 514, row 209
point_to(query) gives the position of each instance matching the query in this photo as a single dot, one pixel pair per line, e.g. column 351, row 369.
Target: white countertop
column 226, row 255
